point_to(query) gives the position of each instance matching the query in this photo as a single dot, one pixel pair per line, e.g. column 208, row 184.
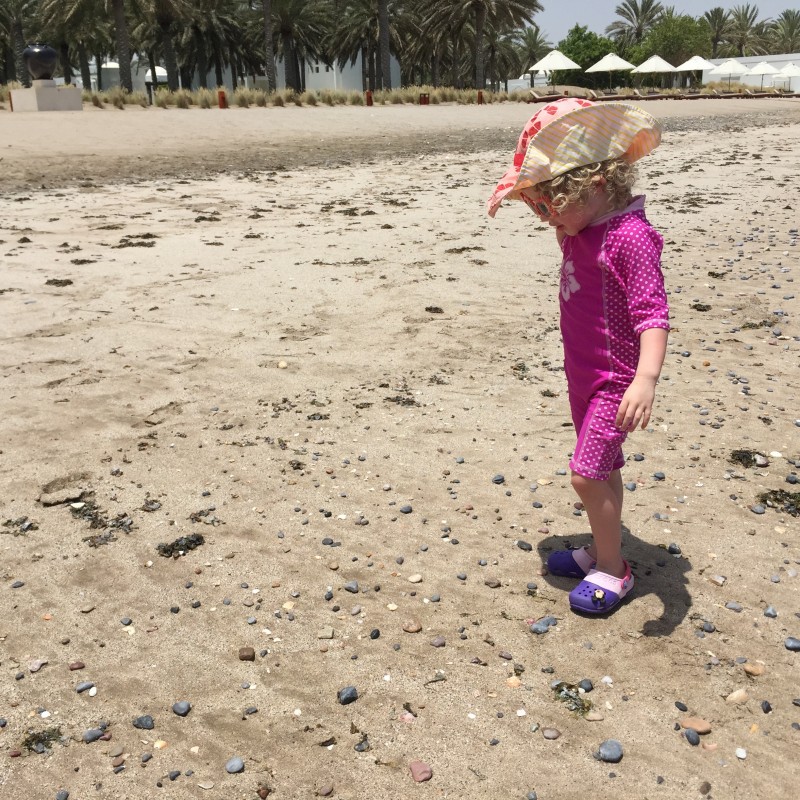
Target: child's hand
column 636, row 405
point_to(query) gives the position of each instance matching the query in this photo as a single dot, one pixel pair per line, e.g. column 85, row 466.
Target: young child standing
column 574, row 168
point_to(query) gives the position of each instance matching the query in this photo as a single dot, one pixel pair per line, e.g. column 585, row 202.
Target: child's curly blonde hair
column 576, row 186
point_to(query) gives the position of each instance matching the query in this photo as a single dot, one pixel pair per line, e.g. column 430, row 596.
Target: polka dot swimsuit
column 611, row 290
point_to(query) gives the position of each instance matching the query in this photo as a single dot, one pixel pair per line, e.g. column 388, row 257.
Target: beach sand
column 281, row 329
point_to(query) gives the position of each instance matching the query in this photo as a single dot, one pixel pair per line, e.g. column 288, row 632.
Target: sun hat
column 572, row 132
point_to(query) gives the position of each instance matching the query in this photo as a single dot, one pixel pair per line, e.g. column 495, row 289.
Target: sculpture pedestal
column 46, row 96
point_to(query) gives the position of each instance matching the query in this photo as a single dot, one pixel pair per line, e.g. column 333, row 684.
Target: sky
column 560, row 15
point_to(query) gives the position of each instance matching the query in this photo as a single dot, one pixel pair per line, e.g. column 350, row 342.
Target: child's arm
column 637, row 402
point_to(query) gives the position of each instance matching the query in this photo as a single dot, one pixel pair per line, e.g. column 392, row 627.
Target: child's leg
column 602, row 500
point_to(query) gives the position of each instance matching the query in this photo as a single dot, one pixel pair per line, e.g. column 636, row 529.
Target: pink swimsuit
column 612, row 289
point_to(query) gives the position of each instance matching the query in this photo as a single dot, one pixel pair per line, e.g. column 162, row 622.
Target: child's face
column 574, row 217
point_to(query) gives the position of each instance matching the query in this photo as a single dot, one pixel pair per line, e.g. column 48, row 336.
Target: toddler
column 574, row 168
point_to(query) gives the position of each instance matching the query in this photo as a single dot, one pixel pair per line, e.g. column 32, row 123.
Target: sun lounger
column 537, row 97
column 650, row 95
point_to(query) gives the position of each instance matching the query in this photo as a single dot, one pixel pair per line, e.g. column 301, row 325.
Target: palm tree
column 747, row 33
column 718, row 21
column 383, row 41
column 637, row 19
column 269, row 46
column 300, row 28
column 14, row 14
column 532, row 45
column 785, row 32
column 166, row 14
column 456, row 15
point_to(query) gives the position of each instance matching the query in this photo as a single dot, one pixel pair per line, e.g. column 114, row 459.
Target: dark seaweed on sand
column 180, row 545
column 787, row 502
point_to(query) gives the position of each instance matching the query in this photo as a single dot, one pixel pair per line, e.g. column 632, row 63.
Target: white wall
column 321, row 76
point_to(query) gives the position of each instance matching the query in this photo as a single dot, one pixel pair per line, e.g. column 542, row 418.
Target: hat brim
column 584, row 136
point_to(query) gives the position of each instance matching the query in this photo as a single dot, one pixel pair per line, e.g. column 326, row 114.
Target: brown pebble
column 276, row 584
column 65, row 640
column 15, row 754
column 198, row 571
column 116, row 751
column 551, row 733
column 325, row 791
column 492, row 583
column 737, row 697
column 696, row 724
column 420, row 771
column 106, row 737
column 118, row 761
column 754, row 670
column 77, row 665
column 247, row 654
column 438, row 641
column 412, row 626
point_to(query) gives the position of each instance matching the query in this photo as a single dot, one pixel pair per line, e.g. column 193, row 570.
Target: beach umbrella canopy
column 763, row 68
column 695, row 62
column 610, row 63
column 554, row 60
column 654, row 64
column 730, row 68
column 791, row 70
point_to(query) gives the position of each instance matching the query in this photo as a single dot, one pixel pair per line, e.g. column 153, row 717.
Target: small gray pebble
column 83, row 686
column 352, row 587
column 610, row 751
column 793, row 644
column 770, row 612
column 406, row 509
column 733, row 606
column 234, row 765
column 92, row 735
column 182, row 708
column 692, row 736
column 498, row 479
column 347, row 695
column 62, row 794
column 145, row 723
column 758, row 509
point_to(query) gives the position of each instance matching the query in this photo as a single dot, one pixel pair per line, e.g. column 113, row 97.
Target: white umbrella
column 791, row 70
column 730, row 67
column 554, row 60
column 654, row 64
column 610, row 63
column 762, row 69
column 695, row 62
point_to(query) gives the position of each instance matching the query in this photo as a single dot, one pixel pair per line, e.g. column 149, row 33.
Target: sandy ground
column 278, row 328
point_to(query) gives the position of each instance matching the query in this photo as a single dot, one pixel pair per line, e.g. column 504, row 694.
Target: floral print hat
column 570, row 133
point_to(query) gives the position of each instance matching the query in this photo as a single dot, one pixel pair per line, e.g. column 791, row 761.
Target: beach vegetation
column 242, row 97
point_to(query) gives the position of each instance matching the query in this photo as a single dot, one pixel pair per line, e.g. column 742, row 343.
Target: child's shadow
column 656, row 571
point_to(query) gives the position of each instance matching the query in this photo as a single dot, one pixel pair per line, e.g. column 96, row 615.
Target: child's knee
column 580, row 483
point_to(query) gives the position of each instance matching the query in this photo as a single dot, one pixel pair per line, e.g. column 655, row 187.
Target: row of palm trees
column 455, row 42
column 737, row 32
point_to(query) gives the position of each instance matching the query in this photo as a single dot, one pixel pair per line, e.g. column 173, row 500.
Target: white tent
column 730, row 67
column 161, row 75
column 610, row 63
column 791, row 70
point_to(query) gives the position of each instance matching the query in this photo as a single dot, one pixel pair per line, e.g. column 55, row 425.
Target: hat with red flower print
column 570, row 133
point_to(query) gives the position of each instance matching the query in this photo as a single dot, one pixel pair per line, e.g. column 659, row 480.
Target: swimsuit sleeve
column 633, row 252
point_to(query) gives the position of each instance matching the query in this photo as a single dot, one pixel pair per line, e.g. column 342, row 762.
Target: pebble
column 734, row 606
column 83, row 686
column 754, row 669
column 420, row 771
column 412, row 626
column 234, row 765
column 325, row 791
column 62, row 794
column 526, row 546
column 770, row 612
column 741, row 753
column 145, row 722
column 92, row 735
column 182, row 708
column 551, row 733
column 696, row 724
column 692, row 737
column 610, row 751
column 347, row 695
column 415, row 578
column 352, row 587
column 76, row 665
column 543, row 625
column 492, row 583
column 737, row 698
column 498, row 479
column 247, row 654
column 793, row 644
column 438, row 641
column 405, row 509
column 35, row 666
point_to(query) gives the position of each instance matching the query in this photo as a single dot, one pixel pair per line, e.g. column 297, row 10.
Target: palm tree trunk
column 19, row 45
column 66, row 69
column 383, row 39
column 98, row 65
column 151, row 57
column 272, row 82
column 371, row 67
column 290, row 62
column 123, row 46
column 234, row 73
column 170, row 61
column 218, row 69
column 435, row 63
column 301, row 71
column 83, row 61
column 202, row 66
column 364, row 68
column 480, row 23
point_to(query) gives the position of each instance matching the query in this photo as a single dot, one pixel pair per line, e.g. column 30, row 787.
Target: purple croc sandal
column 570, row 563
column 599, row 593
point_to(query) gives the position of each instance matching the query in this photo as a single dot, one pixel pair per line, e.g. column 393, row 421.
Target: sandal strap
column 583, row 559
column 619, row 586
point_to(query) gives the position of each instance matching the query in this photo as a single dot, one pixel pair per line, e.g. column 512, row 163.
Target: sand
column 269, row 327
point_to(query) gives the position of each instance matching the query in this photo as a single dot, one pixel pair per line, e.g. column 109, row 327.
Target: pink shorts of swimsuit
column 598, row 451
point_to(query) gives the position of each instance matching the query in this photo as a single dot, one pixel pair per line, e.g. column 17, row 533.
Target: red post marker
column 424, row 99
column 222, row 98
column 369, row 97
column 480, row 97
